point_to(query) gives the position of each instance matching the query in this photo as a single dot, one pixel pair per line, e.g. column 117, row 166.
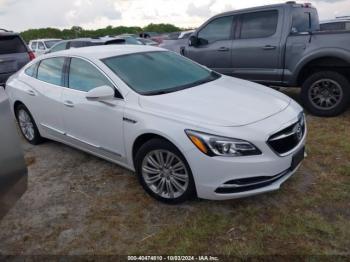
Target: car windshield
column 155, row 73
column 51, row 43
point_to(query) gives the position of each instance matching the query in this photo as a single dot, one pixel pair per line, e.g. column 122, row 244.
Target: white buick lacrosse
column 184, row 129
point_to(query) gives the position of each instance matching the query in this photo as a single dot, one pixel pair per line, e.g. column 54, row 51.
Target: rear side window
column 11, row 45
column 30, row 71
column 83, row 76
column 218, row 29
column 259, row 24
column 304, row 21
column 50, row 70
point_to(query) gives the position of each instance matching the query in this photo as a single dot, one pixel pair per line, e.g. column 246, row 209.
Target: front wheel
column 326, row 93
column 164, row 172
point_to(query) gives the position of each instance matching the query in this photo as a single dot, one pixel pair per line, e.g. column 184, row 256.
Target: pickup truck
column 279, row 45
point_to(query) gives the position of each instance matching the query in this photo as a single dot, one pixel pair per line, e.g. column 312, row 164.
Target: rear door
column 216, row 45
column 13, row 55
column 46, row 93
column 257, row 50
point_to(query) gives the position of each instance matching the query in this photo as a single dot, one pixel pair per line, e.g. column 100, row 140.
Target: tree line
column 77, row 31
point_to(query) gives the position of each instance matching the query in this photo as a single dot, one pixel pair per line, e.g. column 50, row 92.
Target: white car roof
column 103, row 51
column 45, row 39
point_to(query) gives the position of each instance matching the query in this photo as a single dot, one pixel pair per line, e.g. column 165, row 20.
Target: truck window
column 304, row 21
column 218, row 29
column 259, row 24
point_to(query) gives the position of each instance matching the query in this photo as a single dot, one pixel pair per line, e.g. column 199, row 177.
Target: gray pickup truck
column 279, row 45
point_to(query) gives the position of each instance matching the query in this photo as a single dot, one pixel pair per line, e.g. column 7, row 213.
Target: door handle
column 223, row 49
column 68, row 103
column 31, row 92
column 269, row 47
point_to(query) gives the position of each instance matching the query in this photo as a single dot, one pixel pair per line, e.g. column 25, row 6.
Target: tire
column 33, row 137
column 147, row 171
column 326, row 93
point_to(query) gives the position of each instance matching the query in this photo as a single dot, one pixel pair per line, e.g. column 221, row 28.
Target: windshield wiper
column 213, row 76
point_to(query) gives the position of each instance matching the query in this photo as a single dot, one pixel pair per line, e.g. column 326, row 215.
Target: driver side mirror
column 193, row 41
column 101, row 93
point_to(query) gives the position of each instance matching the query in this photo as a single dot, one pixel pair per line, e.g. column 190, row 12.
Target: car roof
column 45, row 39
column 100, row 52
column 7, row 33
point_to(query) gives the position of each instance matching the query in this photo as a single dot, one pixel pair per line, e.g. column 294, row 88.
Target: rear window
column 11, row 45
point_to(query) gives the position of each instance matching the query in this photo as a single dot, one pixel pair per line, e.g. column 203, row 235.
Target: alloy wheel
column 325, row 94
column 26, row 124
column 165, row 174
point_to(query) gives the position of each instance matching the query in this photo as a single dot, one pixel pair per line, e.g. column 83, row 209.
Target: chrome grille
column 287, row 139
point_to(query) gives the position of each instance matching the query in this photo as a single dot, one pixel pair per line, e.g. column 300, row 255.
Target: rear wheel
column 326, row 93
column 27, row 125
column 164, row 172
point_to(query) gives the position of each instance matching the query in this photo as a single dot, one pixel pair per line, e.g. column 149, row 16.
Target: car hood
column 226, row 101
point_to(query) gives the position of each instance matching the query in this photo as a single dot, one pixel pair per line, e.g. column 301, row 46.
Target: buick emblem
column 298, row 131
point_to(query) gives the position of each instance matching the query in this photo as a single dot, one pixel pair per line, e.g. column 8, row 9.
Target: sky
column 19, row 15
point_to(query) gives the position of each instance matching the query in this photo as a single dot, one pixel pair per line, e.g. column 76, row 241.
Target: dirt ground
column 79, row 204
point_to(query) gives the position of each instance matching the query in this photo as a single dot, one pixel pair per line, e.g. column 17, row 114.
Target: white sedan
column 185, row 130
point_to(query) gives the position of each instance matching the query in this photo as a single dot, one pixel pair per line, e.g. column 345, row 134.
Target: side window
column 301, row 22
column 259, row 24
column 218, row 29
column 50, row 70
column 41, row 46
column 58, row 47
column 33, row 46
column 83, row 76
column 30, row 71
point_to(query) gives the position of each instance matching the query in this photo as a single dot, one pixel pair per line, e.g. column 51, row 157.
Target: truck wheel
column 326, row 93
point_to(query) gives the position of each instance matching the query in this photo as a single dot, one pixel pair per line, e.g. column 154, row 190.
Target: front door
column 215, row 46
column 92, row 125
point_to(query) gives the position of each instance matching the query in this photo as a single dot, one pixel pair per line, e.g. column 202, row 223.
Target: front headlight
column 212, row 145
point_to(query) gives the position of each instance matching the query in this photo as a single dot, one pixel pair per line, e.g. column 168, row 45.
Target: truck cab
column 272, row 45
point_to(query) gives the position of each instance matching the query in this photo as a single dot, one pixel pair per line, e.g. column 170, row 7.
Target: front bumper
column 221, row 178
column 212, row 175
